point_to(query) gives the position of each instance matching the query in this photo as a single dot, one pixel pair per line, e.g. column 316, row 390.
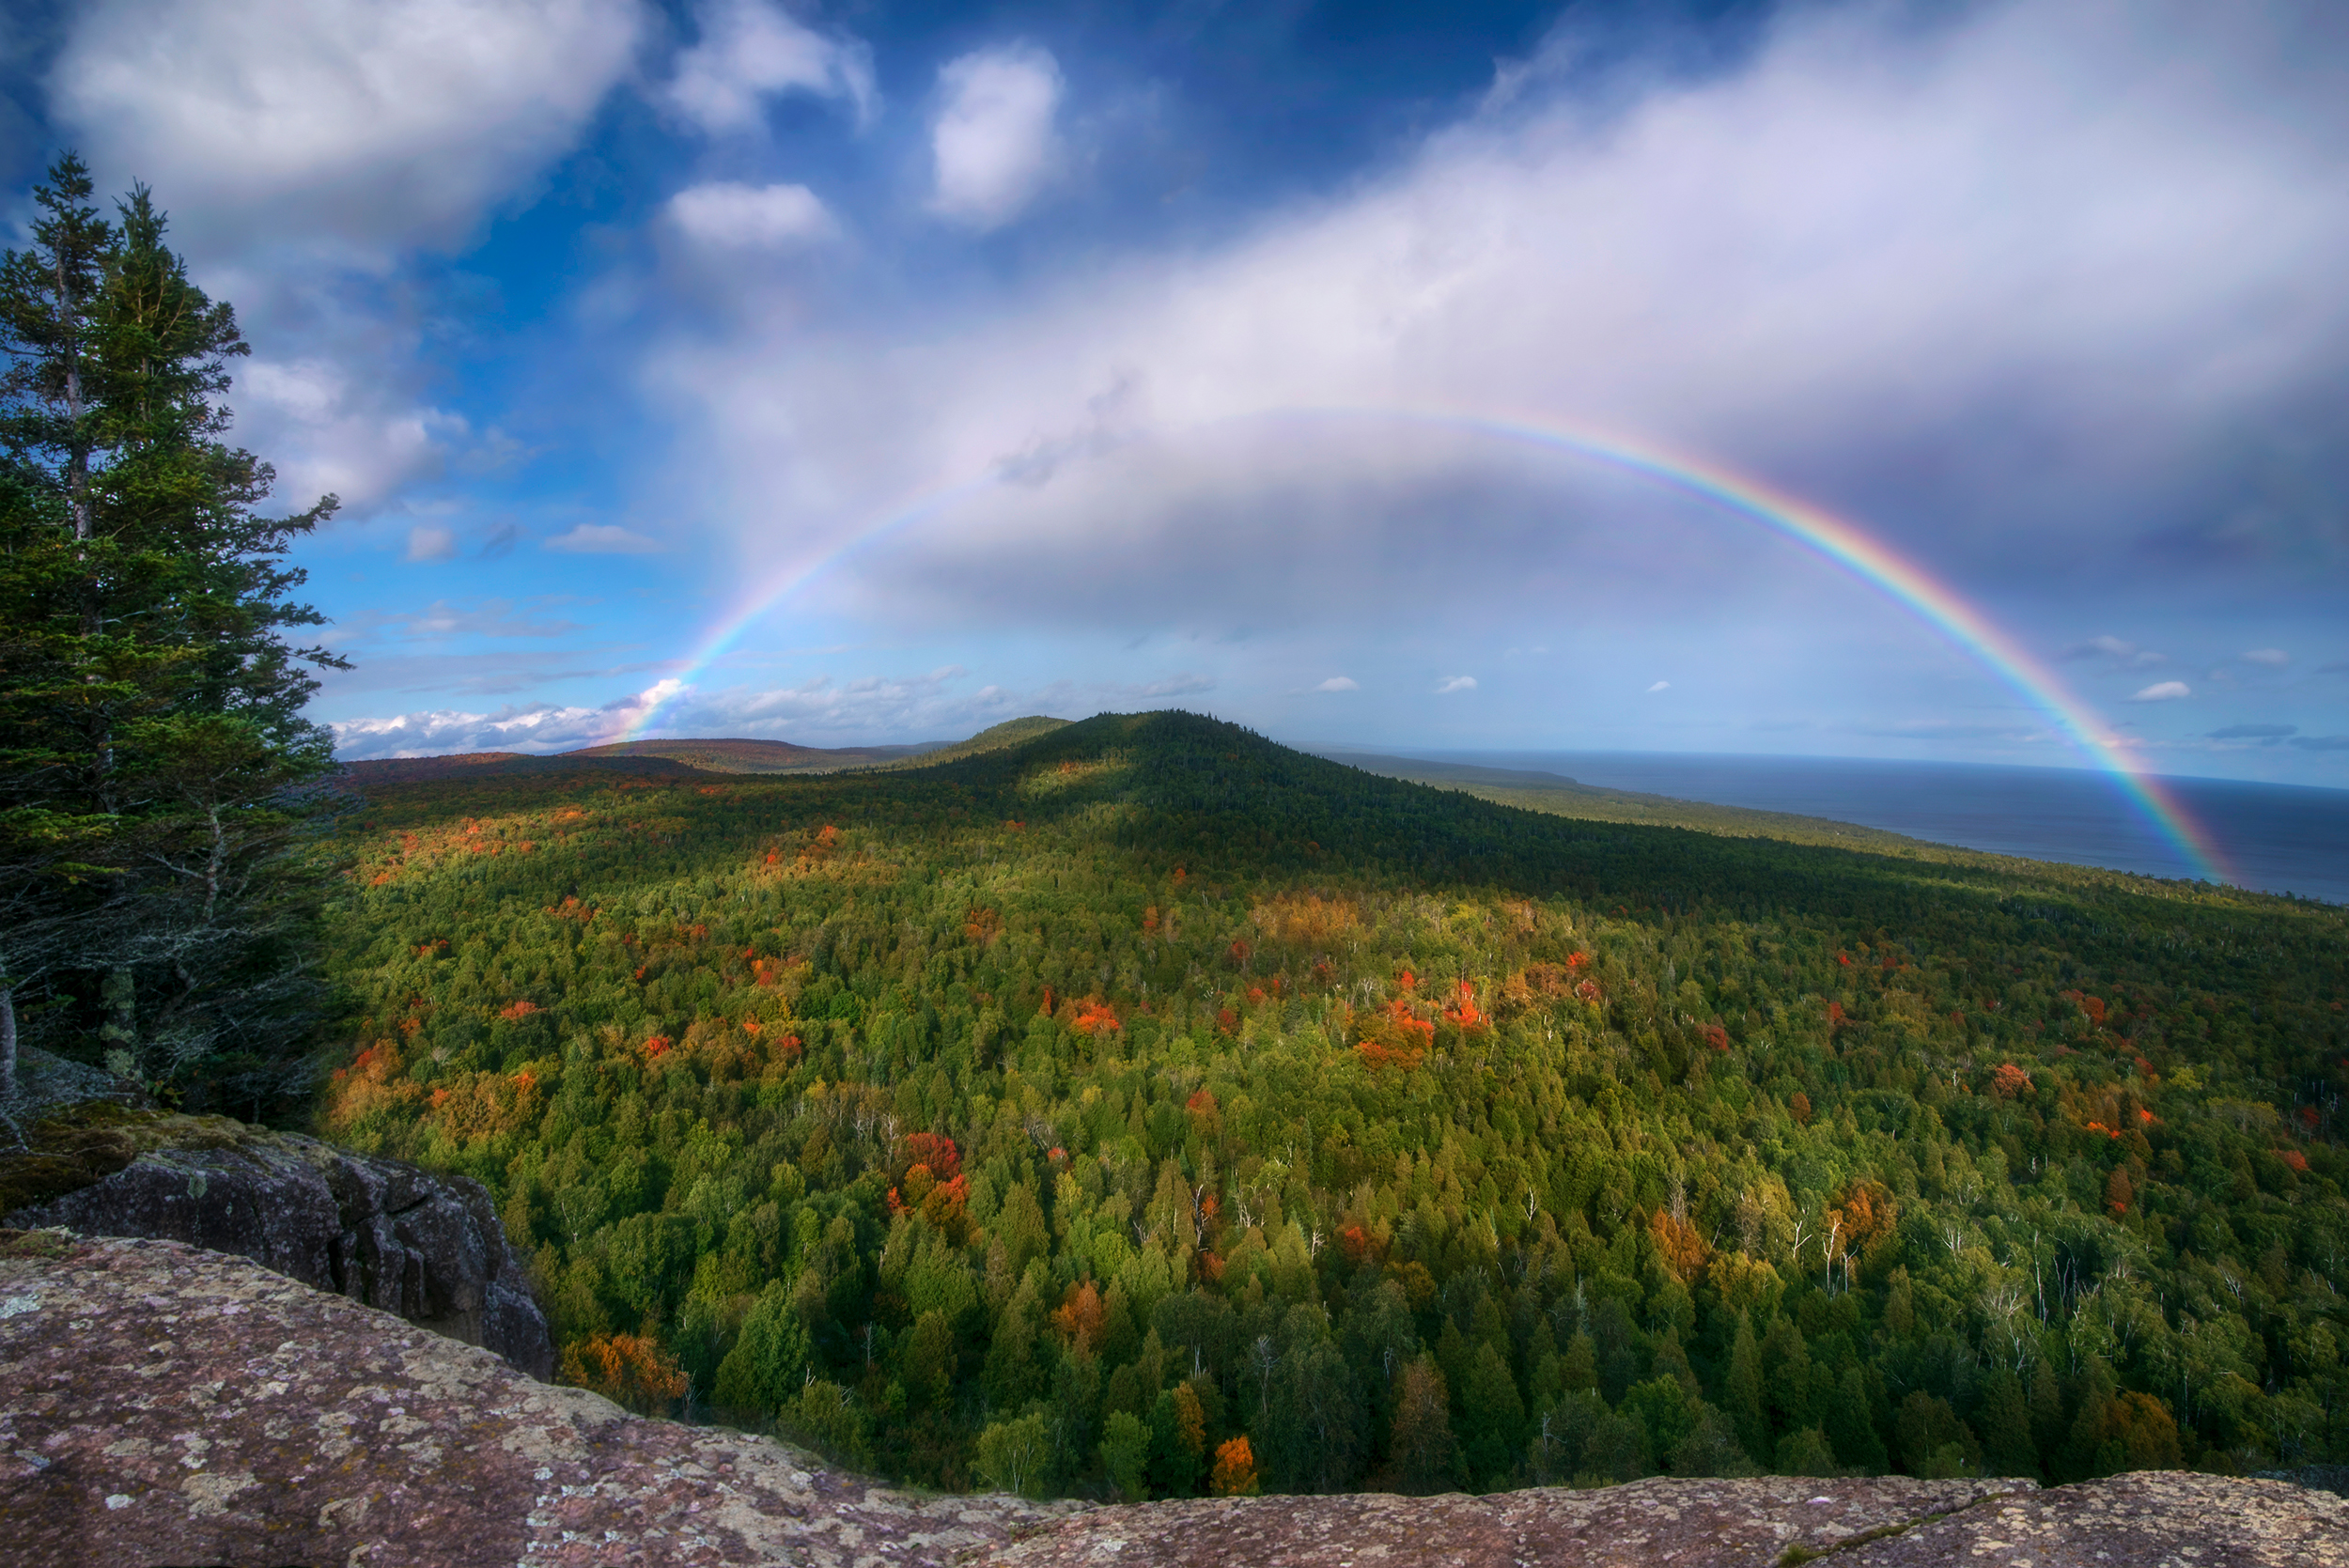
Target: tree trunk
column 7, row 1040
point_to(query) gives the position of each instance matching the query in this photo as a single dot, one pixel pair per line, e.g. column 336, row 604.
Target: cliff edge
column 164, row 1404
column 381, row 1231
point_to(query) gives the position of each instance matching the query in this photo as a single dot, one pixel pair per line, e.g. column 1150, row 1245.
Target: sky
column 876, row 372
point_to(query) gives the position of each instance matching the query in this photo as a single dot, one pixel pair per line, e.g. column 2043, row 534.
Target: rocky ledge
column 378, row 1230
column 2149, row 1519
column 164, row 1405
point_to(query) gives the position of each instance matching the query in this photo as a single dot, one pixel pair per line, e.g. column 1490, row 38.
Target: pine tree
column 155, row 766
column 2004, row 1421
column 1741, row 1389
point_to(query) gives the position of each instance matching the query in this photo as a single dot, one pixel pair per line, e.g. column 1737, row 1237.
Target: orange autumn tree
column 1308, row 920
column 1681, row 1245
column 630, row 1369
column 1868, row 1214
column 1234, row 1470
column 1082, row 1317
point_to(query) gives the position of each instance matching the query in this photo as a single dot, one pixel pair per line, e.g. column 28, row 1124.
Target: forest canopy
column 1149, row 1109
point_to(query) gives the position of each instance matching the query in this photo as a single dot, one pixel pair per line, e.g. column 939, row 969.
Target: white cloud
column 821, row 710
column 432, row 544
column 1455, row 683
column 438, row 732
column 602, row 538
column 751, row 51
column 2163, row 692
column 1339, row 683
column 2273, row 658
column 1659, row 686
column 762, row 217
column 328, row 431
column 363, row 126
column 993, row 140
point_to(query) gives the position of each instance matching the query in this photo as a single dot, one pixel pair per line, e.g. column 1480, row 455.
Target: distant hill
column 761, row 756
column 482, row 765
column 1563, row 797
column 995, row 737
column 683, row 758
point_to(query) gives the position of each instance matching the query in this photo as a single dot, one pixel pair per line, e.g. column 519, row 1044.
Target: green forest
column 1147, row 1110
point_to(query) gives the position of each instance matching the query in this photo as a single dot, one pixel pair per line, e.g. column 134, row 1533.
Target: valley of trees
column 1146, row 1110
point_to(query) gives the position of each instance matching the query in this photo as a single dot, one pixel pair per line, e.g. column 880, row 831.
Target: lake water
column 2278, row 838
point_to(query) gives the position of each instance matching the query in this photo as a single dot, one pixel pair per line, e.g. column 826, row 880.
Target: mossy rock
column 83, row 1144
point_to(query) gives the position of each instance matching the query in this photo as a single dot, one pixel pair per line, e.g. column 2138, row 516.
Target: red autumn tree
column 1466, row 1015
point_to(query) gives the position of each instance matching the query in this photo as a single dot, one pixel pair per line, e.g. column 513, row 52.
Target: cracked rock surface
column 1654, row 1524
column 2145, row 1519
column 164, row 1405
column 2156, row 1519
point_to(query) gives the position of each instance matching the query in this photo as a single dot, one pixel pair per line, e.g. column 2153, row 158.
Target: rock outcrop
column 2149, row 1519
column 378, row 1230
column 164, row 1405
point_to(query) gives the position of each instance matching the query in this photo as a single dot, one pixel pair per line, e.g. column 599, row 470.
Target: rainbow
column 1842, row 543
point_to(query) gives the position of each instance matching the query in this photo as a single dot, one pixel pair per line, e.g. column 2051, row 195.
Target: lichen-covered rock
column 2146, row 1520
column 378, row 1230
column 166, row 1404
column 1651, row 1524
column 2163, row 1519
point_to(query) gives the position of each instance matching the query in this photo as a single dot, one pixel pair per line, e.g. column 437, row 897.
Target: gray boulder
column 378, row 1231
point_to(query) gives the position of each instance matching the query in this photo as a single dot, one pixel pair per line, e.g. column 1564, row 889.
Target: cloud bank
column 2004, row 287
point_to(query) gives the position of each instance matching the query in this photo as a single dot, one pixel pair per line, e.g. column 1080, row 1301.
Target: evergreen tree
column 1851, row 1425
column 2004, row 1421
column 1492, row 1420
column 1741, row 1389
column 1424, row 1454
column 155, row 766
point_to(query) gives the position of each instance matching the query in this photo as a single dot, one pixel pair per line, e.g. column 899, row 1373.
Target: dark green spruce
column 157, row 901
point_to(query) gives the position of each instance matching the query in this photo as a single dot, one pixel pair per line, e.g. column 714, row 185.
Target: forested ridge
column 1148, row 1109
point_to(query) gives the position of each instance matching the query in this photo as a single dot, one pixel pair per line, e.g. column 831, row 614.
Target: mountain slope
column 1144, row 1098
column 995, row 737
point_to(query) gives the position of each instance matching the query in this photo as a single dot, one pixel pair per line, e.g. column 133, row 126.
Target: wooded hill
column 1148, row 1108
column 660, row 758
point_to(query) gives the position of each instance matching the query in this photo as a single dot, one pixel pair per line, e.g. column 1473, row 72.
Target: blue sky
column 985, row 359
